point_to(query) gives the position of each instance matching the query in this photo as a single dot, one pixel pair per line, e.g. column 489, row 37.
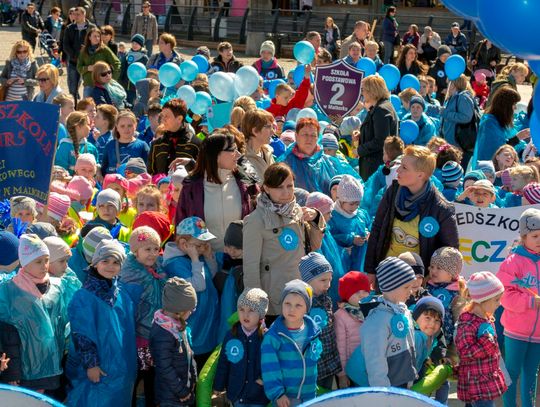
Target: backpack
column 466, row 133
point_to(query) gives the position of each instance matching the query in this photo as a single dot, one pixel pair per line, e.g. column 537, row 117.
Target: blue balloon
column 454, row 67
column 367, row 65
column 304, row 52
column 135, row 72
column 202, row 63
column 306, row 112
column 534, row 127
column 187, row 94
column 464, row 8
column 189, row 70
column 272, row 85
column 408, row 131
column 396, row 102
column 536, row 102
column 202, row 102
column 390, row 73
column 535, row 66
column 520, row 21
column 409, row 81
column 221, row 86
column 169, row 74
column 298, row 75
column 246, row 81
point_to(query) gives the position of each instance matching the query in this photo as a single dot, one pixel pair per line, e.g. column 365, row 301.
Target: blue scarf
column 408, row 205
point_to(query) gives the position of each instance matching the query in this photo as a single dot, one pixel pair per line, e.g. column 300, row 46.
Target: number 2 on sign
column 340, row 90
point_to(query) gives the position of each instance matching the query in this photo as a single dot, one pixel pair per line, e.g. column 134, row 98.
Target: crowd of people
column 283, row 254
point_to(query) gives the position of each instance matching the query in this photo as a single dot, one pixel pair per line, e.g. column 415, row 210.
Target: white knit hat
column 350, row 190
column 31, row 247
column 268, row 46
column 483, row 286
column 58, row 248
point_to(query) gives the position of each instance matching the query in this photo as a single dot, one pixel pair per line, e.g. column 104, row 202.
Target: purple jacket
column 191, row 201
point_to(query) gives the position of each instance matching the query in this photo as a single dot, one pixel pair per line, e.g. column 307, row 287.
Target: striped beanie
column 92, row 239
column 335, row 181
column 350, row 190
column 452, row 172
column 392, row 273
column 483, row 286
column 329, row 141
column 531, row 192
column 322, row 202
column 297, row 286
column 487, row 167
column 313, row 265
column 58, row 206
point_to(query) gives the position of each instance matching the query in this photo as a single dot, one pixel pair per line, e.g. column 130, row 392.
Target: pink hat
column 483, row 286
column 86, row 160
column 506, row 178
column 60, row 188
column 317, row 200
column 288, row 136
column 82, row 186
column 531, row 192
column 115, row 179
column 479, row 76
column 58, row 206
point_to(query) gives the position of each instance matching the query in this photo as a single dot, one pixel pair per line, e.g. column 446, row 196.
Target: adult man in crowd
column 360, row 34
column 146, row 24
column 72, row 43
column 457, row 41
column 31, row 24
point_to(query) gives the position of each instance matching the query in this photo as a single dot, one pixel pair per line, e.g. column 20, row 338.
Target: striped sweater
column 287, row 369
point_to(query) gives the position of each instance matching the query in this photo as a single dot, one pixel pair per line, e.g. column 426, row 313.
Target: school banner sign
column 337, row 88
column 28, row 133
column 486, row 236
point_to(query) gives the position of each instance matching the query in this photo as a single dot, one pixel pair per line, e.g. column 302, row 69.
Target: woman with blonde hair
column 511, row 75
column 241, row 106
column 331, row 37
column 19, row 74
column 258, row 129
column 47, row 78
column 380, row 122
column 104, row 91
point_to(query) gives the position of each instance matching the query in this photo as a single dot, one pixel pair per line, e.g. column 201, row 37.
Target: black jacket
column 381, row 230
column 31, row 23
column 219, row 66
column 101, row 96
column 437, row 72
column 176, row 372
column 484, row 56
column 381, row 122
column 73, row 40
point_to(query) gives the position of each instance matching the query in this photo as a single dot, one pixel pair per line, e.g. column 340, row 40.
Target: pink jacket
column 521, row 278
column 347, row 335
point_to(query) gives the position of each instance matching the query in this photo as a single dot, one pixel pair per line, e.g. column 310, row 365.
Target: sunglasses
column 104, row 74
column 22, row 51
column 42, row 79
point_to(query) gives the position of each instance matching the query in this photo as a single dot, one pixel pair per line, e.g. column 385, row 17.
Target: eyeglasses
column 42, row 79
column 104, row 74
column 22, row 51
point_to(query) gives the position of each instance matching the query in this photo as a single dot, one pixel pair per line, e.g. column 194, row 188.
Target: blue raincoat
column 204, row 321
column 41, row 324
column 112, row 330
column 314, row 173
column 78, row 263
column 426, row 129
column 336, row 257
column 71, row 284
column 489, row 138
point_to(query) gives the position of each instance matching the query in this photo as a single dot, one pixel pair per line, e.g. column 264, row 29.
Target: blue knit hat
column 474, row 175
column 289, row 125
column 428, row 303
column 419, row 100
column 298, row 287
column 392, row 273
column 486, row 166
column 329, row 141
column 9, row 247
column 313, row 265
column 451, row 172
column 336, row 179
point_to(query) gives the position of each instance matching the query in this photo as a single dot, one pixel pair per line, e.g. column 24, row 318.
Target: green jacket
column 105, row 55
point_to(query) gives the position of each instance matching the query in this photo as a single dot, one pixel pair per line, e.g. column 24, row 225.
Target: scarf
column 28, row 283
column 408, row 204
column 92, row 49
column 301, row 155
column 339, row 209
column 355, row 312
column 20, row 68
column 289, row 210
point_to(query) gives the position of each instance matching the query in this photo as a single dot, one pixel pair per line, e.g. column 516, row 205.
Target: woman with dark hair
column 280, row 232
column 312, row 168
column 331, row 37
column 390, row 34
column 215, row 191
column 108, row 34
column 497, row 125
column 408, row 62
column 93, row 51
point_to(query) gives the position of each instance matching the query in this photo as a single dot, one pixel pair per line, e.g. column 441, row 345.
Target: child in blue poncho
column 102, row 358
column 349, row 224
column 451, row 175
column 190, row 257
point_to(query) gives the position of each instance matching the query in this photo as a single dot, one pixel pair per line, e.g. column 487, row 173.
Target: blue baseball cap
column 195, row 227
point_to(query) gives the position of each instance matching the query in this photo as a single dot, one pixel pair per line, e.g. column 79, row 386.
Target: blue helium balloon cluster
column 246, row 81
column 202, row 102
column 169, row 74
column 221, row 86
column 298, row 75
column 408, row 131
column 390, row 73
column 367, row 65
column 187, row 94
column 202, row 63
column 189, row 70
column 454, row 67
column 135, row 72
column 409, row 81
column 304, row 52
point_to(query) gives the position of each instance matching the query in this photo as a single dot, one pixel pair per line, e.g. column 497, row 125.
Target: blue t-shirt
column 136, row 148
column 101, row 142
column 62, row 132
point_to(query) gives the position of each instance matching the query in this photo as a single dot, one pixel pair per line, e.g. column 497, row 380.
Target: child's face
column 101, row 123
column 58, row 268
column 154, row 93
column 147, row 203
column 135, row 46
column 429, row 324
column 154, row 120
column 321, row 283
column 266, row 55
column 83, row 130
column 39, row 267
column 108, row 268
column 490, row 176
column 284, row 97
column 91, row 111
column 417, row 284
column 25, row 215
column 234, row 252
column 199, row 245
column 371, row 52
column 416, row 111
column 349, row 207
column 491, row 305
column 400, row 294
column 355, row 52
column 86, row 172
column 118, row 188
column 532, row 241
column 505, row 159
column 226, row 54
column 357, row 297
column 67, row 108
column 107, row 212
column 330, row 151
column 293, row 309
column 408, row 175
column 121, row 48
column 423, row 88
column 333, row 193
column 482, row 198
column 164, row 187
column 439, row 275
column 248, row 318
column 147, row 254
column 125, row 127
